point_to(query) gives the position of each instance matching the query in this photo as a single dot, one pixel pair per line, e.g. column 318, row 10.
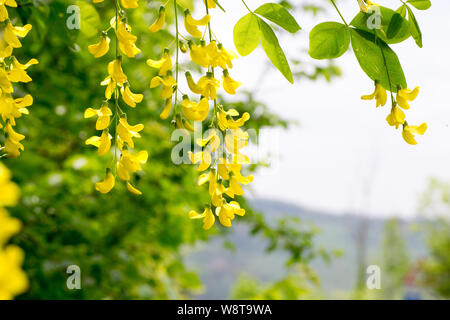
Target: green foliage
column 378, row 60
column 329, row 40
column 251, row 30
column 420, row 4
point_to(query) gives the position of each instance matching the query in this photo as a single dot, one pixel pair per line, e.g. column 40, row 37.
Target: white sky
column 343, row 142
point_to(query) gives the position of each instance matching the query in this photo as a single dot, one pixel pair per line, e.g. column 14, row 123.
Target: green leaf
column 402, row 11
column 420, row 4
column 246, row 34
column 273, row 50
column 90, row 19
column 278, row 15
column 328, row 40
column 415, row 29
column 394, row 26
column 360, row 22
column 370, row 57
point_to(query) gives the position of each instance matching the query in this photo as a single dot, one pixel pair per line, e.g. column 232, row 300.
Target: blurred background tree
column 126, row 246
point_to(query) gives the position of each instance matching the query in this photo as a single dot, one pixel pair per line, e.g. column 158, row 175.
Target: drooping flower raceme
column 12, row 71
column 110, row 114
column 218, row 154
column 13, row 280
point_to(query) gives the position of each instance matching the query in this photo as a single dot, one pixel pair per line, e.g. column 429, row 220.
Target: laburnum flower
column 126, row 39
column 405, row 95
column 195, row 111
column 12, row 33
column 409, row 131
column 209, row 86
column 167, row 109
column 210, row 3
column 12, row 142
column 396, row 117
column 379, row 95
column 235, row 140
column 168, row 83
column 219, row 56
column 229, row 84
column 199, row 53
column 3, row 11
column 13, row 279
column 364, row 5
column 129, row 97
column 106, row 185
column 10, row 108
column 5, row 49
column 115, row 78
column 101, row 48
column 192, row 84
column 163, row 65
column 226, row 120
column 104, row 115
column 212, row 141
column 17, row 73
column 103, row 143
column 9, row 195
column 159, row 23
column 127, row 132
column 192, row 24
column 131, row 163
column 203, row 158
column 5, row 83
column 227, row 212
column 129, row 4
column 207, row 216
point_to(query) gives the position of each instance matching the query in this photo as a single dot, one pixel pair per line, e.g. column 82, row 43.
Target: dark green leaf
column 402, row 11
column 394, row 26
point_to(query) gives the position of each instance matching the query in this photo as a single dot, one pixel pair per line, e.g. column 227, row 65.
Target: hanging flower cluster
column 397, row 116
column 117, row 85
column 12, row 71
column 219, row 156
column 13, row 280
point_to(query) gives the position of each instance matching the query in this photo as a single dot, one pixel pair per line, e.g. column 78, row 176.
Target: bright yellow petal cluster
column 12, row 71
column 13, row 280
column 117, row 85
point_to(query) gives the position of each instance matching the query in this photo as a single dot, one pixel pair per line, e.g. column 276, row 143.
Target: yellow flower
column 133, row 190
column 167, row 109
column 3, row 11
column 396, row 117
column 229, row 84
column 364, row 5
column 12, row 278
column 103, row 143
column 210, row 3
column 405, row 95
column 202, row 157
column 104, row 114
column 409, row 131
column 17, row 72
column 191, row 83
column 128, row 4
column 116, row 77
column 11, row 34
column 209, row 86
column 207, row 216
column 235, row 140
column 106, row 185
column 379, row 95
column 195, row 111
column 12, row 143
column 9, row 194
column 126, row 39
column 199, row 54
column 227, row 212
column 164, row 64
column 212, row 140
column 168, row 84
column 127, row 133
column 223, row 58
column 101, row 48
column 191, row 24
column 130, row 163
column 226, row 120
column 129, row 97
column 159, row 23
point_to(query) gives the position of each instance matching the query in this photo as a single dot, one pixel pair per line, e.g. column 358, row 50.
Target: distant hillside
column 219, row 267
